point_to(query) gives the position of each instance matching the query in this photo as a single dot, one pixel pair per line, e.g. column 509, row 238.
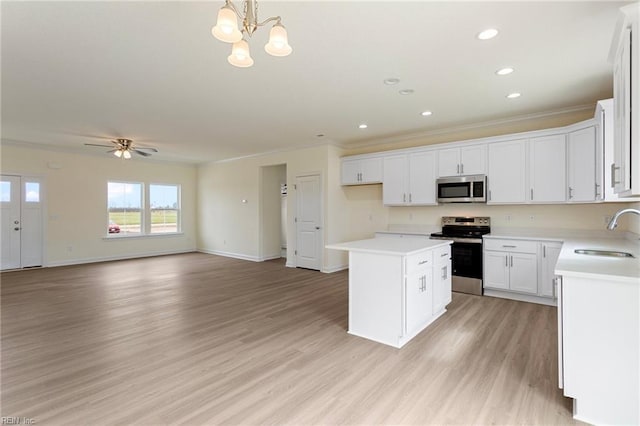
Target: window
column 5, row 191
column 125, row 208
column 164, row 203
column 142, row 209
column 32, row 192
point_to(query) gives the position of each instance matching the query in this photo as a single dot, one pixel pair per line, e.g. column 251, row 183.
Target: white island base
column 396, row 287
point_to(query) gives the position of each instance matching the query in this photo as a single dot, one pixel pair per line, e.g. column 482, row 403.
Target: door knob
column 16, row 222
column 16, row 229
column 317, row 227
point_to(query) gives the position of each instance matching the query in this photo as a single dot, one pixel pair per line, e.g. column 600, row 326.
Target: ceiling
column 73, row 72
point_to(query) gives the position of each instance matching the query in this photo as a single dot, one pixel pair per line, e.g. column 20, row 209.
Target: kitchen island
column 397, row 287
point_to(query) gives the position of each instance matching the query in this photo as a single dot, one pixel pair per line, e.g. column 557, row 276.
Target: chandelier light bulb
column 240, row 55
column 278, row 44
column 126, row 155
column 118, row 153
column 226, row 28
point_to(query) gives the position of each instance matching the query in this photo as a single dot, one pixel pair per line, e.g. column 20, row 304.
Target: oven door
column 466, row 260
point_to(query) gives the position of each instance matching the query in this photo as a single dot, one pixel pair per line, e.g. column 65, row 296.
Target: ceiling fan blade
column 148, row 149
column 144, row 154
column 96, row 144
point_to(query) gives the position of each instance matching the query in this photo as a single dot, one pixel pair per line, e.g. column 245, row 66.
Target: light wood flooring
column 201, row 339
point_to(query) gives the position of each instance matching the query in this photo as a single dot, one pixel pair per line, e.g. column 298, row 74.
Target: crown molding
column 465, row 127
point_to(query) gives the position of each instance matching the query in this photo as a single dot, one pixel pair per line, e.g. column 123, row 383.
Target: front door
column 308, row 222
column 21, row 222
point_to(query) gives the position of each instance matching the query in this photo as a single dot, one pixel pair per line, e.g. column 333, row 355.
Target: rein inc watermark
column 6, row 420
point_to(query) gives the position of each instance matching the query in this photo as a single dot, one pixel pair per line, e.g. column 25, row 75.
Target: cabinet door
column 496, row 270
column 523, row 272
column 473, row 160
column 582, row 165
column 371, row 170
column 449, row 162
column 550, row 253
column 506, row 172
column 622, row 115
column 394, row 190
column 422, row 178
column 418, row 293
column 441, row 286
column 350, row 172
column 547, row 169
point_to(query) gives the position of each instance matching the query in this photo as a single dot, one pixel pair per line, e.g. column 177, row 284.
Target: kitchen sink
column 610, row 253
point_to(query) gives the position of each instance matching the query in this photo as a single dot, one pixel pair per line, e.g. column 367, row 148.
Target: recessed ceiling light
column 406, row 91
column 513, row 95
column 505, row 71
column 487, row 34
column 391, row 81
column 363, row 126
column 426, row 113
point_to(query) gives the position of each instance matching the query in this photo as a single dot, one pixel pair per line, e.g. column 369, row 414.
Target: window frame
column 145, row 213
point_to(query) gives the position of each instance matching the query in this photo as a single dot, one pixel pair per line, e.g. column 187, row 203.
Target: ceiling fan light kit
column 226, row 29
column 124, row 147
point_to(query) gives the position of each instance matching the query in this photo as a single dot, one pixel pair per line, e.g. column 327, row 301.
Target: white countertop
column 583, row 265
column 392, row 246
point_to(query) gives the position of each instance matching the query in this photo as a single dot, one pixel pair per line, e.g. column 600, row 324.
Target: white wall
column 76, row 202
column 230, row 227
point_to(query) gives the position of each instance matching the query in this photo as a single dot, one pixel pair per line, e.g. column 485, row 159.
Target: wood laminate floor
column 201, row 339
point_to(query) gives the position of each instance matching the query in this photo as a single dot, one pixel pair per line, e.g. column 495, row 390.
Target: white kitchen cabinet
column 581, row 173
column 547, row 169
column 549, row 252
column 441, row 278
column 409, row 180
column 418, row 300
column 361, row 171
column 626, row 71
column 506, row 177
column 469, row 160
column 511, row 265
column 391, row 287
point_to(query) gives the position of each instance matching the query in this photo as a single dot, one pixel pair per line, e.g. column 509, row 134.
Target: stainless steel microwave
column 462, row 189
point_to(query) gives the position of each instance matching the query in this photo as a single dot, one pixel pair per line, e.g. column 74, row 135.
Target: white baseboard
column 333, row 269
column 112, row 258
column 230, row 254
column 290, row 265
column 520, row 297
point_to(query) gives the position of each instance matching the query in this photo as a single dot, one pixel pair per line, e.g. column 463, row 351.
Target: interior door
column 308, row 222
column 10, row 232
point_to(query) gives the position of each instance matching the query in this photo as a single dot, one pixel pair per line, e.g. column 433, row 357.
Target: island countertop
column 392, row 246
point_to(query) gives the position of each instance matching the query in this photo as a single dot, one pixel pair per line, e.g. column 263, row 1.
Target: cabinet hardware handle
column 462, row 168
column 570, row 192
column 409, row 197
column 531, row 194
column 544, row 251
column 458, row 168
column 506, row 246
column 423, row 262
column 597, row 192
column 360, row 176
column 512, row 261
column 489, row 195
column 444, row 272
column 404, row 198
column 613, row 175
column 444, row 254
column 506, row 261
column 554, row 285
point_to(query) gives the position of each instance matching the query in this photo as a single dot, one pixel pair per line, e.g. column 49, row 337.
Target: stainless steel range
column 466, row 250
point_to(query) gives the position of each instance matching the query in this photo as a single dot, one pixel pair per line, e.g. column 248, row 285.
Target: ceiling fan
column 122, row 148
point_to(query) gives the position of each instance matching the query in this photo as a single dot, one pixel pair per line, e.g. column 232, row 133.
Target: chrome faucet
column 614, row 220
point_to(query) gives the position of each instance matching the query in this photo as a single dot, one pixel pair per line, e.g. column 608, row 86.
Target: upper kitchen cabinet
column 547, row 169
column 410, row 179
column 626, row 69
column 361, row 171
column 506, row 176
column 605, row 190
column 470, row 160
column 581, row 172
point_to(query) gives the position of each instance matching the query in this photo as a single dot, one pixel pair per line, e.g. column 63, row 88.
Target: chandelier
column 226, row 29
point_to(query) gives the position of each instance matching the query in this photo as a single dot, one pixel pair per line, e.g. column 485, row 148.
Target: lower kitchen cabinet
column 441, row 278
column 419, row 297
column 511, row 265
column 521, row 269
